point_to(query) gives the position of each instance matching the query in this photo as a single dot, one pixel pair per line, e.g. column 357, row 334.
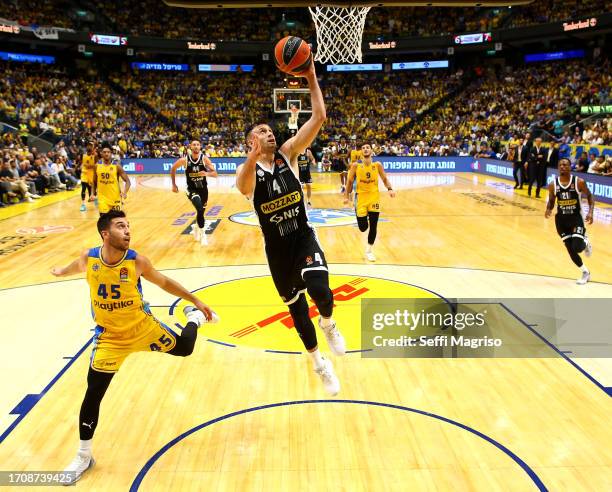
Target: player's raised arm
column 245, row 173
column 180, row 162
column 309, row 130
column 149, row 272
column 77, row 266
column 383, row 176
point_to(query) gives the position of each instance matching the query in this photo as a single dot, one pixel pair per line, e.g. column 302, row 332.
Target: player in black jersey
column 197, row 168
column 269, row 177
column 341, row 162
column 566, row 190
column 303, row 161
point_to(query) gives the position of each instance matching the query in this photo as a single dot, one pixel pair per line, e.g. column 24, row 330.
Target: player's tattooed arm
column 551, row 200
column 211, row 172
column 180, row 162
column 245, row 172
column 583, row 188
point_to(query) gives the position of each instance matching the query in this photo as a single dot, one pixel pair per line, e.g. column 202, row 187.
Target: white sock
column 326, row 322
column 369, row 248
column 584, row 269
column 85, row 447
column 317, row 358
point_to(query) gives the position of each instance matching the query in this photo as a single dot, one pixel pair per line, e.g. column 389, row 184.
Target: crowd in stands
column 37, row 12
column 503, row 103
column 27, row 173
column 215, row 108
column 371, row 106
column 154, row 18
column 544, row 11
column 402, row 113
column 79, row 106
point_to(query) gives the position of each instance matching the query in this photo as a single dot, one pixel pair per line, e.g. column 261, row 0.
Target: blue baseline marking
column 221, row 343
column 281, row 351
column 591, row 378
column 358, row 351
column 149, row 464
column 11, row 427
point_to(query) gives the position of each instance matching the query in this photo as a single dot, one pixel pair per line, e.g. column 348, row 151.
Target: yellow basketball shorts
column 111, row 349
column 105, row 206
column 367, row 202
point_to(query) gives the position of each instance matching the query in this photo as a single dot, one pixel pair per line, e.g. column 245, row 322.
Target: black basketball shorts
column 291, row 259
column 569, row 226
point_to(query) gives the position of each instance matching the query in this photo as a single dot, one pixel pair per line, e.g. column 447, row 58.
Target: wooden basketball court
column 246, row 412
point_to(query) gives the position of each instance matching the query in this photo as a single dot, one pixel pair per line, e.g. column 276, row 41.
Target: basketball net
column 339, row 33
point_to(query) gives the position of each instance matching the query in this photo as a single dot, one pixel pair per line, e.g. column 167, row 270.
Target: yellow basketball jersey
column 356, row 155
column 108, row 183
column 87, row 168
column 366, row 176
column 116, row 293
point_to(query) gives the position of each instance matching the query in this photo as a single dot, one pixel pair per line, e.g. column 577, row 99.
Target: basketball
column 292, row 55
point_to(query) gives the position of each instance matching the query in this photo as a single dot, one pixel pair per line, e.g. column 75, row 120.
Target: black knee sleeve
column 362, row 223
column 373, row 217
column 303, row 323
column 573, row 248
column 199, row 206
column 578, row 244
column 186, row 342
column 317, row 284
column 97, row 384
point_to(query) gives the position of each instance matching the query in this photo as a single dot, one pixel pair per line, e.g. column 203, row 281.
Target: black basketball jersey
column 279, row 202
column 195, row 182
column 342, row 152
column 303, row 162
column 568, row 197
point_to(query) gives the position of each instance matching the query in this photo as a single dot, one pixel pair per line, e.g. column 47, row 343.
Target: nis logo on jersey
column 282, row 202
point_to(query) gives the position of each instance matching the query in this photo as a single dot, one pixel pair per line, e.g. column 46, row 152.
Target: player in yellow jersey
column 106, row 182
column 88, row 166
column 367, row 196
column 124, row 324
column 356, row 154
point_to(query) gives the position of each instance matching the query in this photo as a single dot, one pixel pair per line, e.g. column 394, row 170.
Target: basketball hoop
column 339, row 33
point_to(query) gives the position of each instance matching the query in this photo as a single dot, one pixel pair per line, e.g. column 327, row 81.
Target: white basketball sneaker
column 328, row 377
column 334, row 338
column 194, row 315
column 586, row 276
column 203, row 238
column 78, row 466
column 370, row 256
column 588, row 251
